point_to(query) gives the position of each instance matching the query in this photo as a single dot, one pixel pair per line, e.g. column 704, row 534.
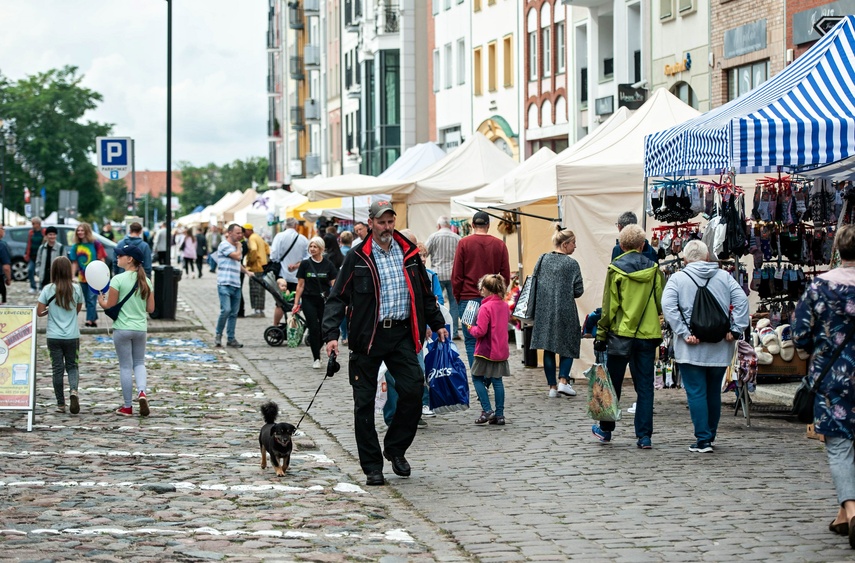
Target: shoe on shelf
column 603, row 436
column 316, row 364
column 427, row 413
column 498, row 420
column 75, row 403
column 234, row 344
column 60, row 408
column 125, row 411
column 374, row 478
column 553, row 393
column 701, row 447
column 144, row 411
column 218, row 341
column 566, row 389
column 644, row 443
column 485, row 417
column 399, row 464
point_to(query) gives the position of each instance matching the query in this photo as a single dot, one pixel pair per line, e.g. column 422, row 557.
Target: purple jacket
column 491, row 329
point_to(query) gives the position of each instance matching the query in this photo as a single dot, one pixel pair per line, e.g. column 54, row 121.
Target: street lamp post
column 168, row 125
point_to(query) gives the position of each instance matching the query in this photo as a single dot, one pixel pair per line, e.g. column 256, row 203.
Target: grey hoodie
column 680, row 289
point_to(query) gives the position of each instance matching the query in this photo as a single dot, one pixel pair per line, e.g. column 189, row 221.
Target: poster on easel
column 18, row 360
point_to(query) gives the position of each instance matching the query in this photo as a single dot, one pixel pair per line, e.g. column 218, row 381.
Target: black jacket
column 357, row 288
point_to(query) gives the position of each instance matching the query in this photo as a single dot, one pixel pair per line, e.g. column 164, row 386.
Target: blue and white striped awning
column 804, row 116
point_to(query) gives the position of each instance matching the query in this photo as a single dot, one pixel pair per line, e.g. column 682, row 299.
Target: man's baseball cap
column 379, row 208
column 481, row 218
column 131, row 250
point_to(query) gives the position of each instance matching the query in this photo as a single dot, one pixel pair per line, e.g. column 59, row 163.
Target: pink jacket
column 491, row 329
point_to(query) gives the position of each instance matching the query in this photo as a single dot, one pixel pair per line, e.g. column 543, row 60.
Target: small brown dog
column 275, row 438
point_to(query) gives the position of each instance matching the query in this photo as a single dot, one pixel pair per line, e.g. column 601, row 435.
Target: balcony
column 295, row 68
column 273, row 130
column 297, row 122
column 295, row 167
column 313, row 164
column 272, row 40
column 386, row 21
column 274, row 85
column 313, row 110
column 352, row 15
column 311, row 6
column 312, row 56
column 295, row 16
column 354, row 92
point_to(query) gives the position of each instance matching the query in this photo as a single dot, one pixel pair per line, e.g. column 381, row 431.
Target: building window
column 532, row 55
column 546, row 33
column 583, row 86
column 491, row 2
column 435, row 7
column 743, row 79
column 447, row 4
column 448, row 66
column 493, row 66
column 560, row 50
column 508, row 61
column 477, row 85
column 608, row 67
column 666, row 9
column 476, row 5
column 461, row 61
column 685, row 5
column 436, row 73
column 683, row 91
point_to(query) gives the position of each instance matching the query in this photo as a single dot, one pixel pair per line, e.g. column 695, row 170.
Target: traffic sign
column 114, row 156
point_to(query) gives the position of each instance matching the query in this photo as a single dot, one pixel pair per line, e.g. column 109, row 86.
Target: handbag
column 805, row 397
column 622, row 345
column 113, row 312
column 524, row 309
column 275, row 266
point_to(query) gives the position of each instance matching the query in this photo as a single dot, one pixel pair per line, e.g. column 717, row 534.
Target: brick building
column 150, row 182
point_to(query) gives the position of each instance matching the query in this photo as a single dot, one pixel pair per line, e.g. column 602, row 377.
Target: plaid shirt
column 394, row 294
column 442, row 245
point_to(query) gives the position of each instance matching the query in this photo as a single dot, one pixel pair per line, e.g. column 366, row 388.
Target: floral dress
column 823, row 319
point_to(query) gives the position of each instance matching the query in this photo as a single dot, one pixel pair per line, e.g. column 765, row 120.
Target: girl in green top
column 130, row 328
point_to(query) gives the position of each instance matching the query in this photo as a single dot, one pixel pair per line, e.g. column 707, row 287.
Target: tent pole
column 643, row 207
column 519, row 248
column 353, row 209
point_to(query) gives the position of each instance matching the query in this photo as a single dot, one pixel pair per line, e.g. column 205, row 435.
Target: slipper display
column 763, row 356
column 785, row 337
column 769, row 339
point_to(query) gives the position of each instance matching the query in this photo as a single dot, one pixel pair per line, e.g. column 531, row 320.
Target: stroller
column 275, row 335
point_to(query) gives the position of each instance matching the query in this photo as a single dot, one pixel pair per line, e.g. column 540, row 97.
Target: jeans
column 31, row 273
column 392, row 394
column 703, row 390
column 468, row 339
column 229, row 303
column 63, row 357
column 641, row 365
column 130, row 349
column 481, row 383
column 343, row 328
column 549, row 368
column 841, row 461
column 452, row 306
column 91, row 299
column 212, row 263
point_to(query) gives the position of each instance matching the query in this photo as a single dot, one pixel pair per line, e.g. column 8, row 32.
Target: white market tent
column 265, row 205
column 414, row 160
column 246, row 198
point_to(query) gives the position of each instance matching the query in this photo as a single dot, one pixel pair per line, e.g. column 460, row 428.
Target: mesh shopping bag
column 294, row 332
column 602, row 398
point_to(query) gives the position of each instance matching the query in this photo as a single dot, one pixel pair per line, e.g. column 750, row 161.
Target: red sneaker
column 125, row 411
column 144, row 411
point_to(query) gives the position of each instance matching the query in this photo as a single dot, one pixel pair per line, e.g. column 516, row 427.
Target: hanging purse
column 113, row 312
column 805, row 398
column 524, row 309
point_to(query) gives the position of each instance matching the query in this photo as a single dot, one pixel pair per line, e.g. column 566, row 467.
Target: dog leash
column 332, row 368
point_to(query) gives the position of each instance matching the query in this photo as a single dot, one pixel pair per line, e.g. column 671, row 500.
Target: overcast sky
column 219, row 102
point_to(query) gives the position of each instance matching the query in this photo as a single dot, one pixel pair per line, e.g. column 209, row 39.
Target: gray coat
column 556, row 319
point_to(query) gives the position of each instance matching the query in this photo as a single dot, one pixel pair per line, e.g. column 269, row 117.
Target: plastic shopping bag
column 602, row 399
column 382, row 390
column 293, row 332
column 446, row 375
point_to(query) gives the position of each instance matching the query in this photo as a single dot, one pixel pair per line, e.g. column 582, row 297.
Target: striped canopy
column 804, row 116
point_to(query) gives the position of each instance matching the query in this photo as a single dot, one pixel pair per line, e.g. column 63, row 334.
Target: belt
column 392, row 323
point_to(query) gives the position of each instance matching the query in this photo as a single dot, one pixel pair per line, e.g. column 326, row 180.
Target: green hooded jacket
column 633, row 287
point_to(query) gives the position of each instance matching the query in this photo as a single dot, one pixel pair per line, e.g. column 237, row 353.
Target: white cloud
column 219, row 103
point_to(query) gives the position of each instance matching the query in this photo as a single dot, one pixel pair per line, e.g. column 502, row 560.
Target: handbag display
column 113, row 312
column 524, row 309
column 805, row 397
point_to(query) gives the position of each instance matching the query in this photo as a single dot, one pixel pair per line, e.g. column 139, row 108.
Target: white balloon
column 97, row 276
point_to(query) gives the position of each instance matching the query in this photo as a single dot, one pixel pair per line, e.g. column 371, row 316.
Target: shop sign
column 681, row 66
column 745, row 39
column 604, row 105
column 629, row 97
column 18, row 360
column 803, row 22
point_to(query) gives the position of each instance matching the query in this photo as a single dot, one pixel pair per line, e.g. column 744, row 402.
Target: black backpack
column 709, row 322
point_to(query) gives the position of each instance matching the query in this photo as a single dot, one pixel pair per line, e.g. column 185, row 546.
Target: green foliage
column 45, row 111
column 205, row 185
column 114, row 205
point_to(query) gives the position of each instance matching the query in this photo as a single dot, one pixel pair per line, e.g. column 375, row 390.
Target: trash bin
column 529, row 353
column 165, row 292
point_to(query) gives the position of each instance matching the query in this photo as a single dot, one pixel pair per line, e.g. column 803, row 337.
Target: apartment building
column 351, row 116
column 451, row 76
column 680, row 51
column 332, row 73
column 544, row 76
column 277, row 171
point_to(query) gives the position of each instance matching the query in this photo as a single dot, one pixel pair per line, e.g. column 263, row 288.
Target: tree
column 114, row 206
column 45, row 112
column 205, row 185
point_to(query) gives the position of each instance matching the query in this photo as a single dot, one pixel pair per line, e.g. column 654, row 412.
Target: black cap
column 379, row 208
column 481, row 218
column 50, row 229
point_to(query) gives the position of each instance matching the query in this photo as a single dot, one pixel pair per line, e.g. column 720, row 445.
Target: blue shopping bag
column 446, row 375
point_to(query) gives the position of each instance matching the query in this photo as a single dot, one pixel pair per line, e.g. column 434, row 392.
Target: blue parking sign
column 114, row 152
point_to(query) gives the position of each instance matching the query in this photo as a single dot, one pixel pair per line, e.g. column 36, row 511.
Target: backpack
column 709, row 322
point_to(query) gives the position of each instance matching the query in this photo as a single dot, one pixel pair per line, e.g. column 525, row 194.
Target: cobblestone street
column 185, row 484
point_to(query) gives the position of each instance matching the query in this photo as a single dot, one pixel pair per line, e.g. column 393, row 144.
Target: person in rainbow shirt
column 84, row 250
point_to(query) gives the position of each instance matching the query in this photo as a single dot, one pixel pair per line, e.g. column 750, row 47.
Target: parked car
column 16, row 240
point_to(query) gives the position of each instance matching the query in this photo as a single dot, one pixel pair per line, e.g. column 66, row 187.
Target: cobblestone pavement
column 538, row 489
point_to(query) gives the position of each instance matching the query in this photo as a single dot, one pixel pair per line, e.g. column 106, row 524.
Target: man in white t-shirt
column 289, row 248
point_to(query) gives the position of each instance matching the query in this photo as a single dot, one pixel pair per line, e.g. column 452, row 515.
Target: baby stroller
column 276, row 335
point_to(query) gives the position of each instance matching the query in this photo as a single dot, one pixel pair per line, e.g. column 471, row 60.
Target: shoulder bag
column 622, row 345
column 524, row 309
column 113, row 312
column 805, row 398
column 275, row 266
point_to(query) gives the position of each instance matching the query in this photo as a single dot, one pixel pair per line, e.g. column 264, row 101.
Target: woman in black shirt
column 333, row 250
column 315, row 276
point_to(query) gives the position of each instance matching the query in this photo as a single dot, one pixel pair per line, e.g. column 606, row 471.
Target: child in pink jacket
column 491, row 349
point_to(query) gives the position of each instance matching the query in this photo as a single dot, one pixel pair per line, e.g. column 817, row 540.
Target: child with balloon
column 86, row 250
column 132, row 291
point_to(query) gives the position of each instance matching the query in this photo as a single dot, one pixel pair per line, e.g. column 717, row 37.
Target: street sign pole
column 168, row 129
column 134, row 175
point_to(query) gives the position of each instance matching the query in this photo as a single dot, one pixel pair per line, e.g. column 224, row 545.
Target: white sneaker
column 316, row 364
column 31, row 291
column 566, row 389
column 631, row 410
column 553, row 393
column 427, row 413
